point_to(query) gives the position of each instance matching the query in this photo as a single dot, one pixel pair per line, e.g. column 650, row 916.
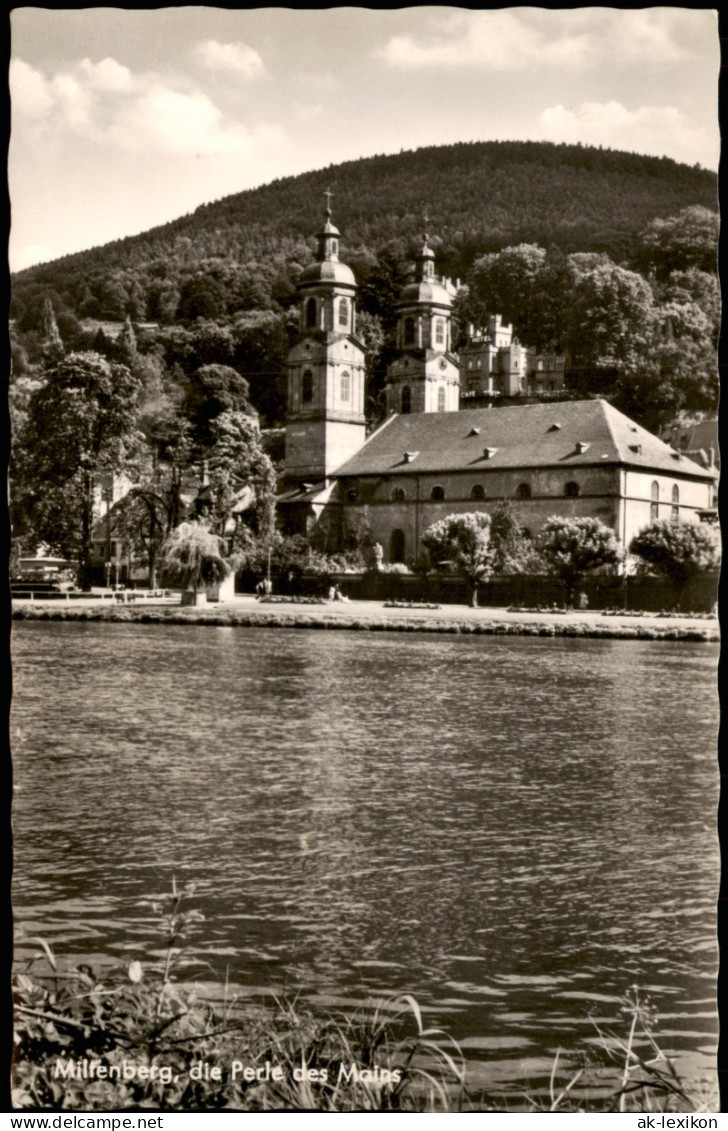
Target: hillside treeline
column 244, row 252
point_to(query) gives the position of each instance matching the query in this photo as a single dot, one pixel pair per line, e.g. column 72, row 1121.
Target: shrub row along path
column 245, row 610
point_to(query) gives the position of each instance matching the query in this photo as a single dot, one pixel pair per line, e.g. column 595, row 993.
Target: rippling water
column 511, row 829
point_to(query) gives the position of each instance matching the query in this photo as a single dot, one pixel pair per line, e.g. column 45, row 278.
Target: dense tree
column 52, row 343
column 688, row 240
column 213, row 389
column 260, row 344
column 462, row 540
column 510, row 283
column 612, row 316
column 242, row 481
column 513, row 550
column 201, row 297
column 573, row 547
column 80, row 424
column 680, row 551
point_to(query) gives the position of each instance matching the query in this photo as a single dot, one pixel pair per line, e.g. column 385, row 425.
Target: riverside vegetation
column 139, row 1038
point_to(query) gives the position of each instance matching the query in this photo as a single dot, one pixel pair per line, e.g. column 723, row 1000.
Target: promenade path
column 377, row 610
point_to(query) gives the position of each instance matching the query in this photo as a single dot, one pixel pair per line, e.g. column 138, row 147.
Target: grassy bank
column 138, row 1037
column 455, row 622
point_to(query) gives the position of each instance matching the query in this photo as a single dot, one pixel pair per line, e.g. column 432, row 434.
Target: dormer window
column 488, row 453
column 582, row 446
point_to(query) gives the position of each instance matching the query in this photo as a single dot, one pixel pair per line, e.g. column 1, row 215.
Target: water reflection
column 509, row 828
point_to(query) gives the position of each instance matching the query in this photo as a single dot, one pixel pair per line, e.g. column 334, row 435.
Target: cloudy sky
column 124, row 119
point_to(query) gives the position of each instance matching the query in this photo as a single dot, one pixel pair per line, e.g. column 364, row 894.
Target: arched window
column 654, row 501
column 343, row 312
column 572, row 490
column 409, row 331
column 437, row 494
column 439, row 331
column 398, row 495
column 311, row 312
column 406, row 399
column 675, row 511
column 523, row 491
column 345, row 386
column 307, row 386
column 478, row 492
column 441, row 399
column 396, row 546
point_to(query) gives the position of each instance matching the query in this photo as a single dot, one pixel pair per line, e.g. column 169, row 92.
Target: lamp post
column 108, row 496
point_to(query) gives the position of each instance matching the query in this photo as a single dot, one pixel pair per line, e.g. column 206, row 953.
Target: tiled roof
column 568, row 434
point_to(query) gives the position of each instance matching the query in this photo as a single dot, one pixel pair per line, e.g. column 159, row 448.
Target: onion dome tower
column 425, row 375
column 326, row 367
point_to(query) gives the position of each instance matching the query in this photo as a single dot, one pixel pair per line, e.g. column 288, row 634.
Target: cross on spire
column 328, row 194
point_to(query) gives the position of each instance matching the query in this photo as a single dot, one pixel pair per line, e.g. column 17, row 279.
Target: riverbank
column 373, row 616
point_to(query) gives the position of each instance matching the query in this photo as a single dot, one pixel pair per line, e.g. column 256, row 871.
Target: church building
column 431, row 458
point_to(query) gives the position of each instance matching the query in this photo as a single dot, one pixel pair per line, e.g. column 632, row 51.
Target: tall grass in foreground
column 136, row 1038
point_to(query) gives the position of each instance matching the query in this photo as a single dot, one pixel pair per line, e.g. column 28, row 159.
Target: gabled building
column 574, row 459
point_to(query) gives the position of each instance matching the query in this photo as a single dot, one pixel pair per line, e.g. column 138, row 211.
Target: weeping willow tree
column 193, row 557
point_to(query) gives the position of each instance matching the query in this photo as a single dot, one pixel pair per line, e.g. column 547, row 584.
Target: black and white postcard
column 364, row 559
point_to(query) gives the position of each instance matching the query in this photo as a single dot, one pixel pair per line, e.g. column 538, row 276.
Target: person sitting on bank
column 339, row 596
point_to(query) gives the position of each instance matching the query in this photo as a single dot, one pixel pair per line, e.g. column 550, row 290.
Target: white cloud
column 514, row 39
column 658, row 130
column 307, row 112
column 232, row 58
column 106, row 104
column 30, row 90
column 108, row 75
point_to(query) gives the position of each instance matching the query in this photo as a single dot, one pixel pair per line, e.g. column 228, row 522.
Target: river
column 514, row 830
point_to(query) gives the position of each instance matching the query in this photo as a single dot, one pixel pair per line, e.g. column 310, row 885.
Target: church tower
column 325, row 419
column 425, row 376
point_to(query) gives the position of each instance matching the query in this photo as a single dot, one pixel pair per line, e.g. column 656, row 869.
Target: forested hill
column 479, row 196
